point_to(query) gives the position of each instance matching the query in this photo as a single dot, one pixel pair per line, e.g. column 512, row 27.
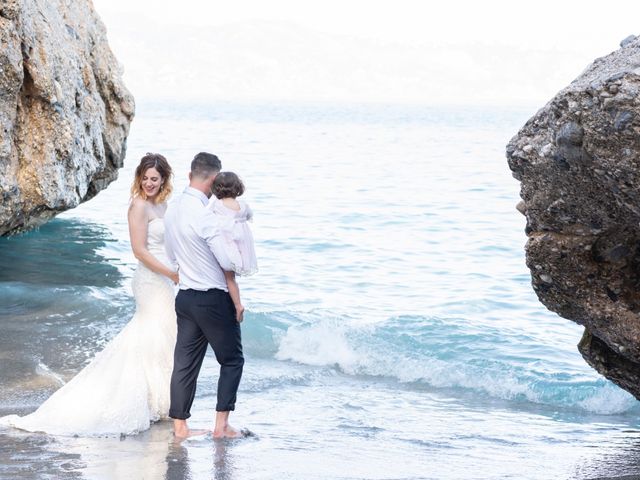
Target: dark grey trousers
column 205, row 318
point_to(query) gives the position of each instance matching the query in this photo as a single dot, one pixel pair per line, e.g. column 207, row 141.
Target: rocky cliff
column 578, row 161
column 64, row 111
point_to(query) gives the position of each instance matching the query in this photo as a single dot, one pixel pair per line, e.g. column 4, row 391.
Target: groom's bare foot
column 182, row 431
column 222, row 428
column 181, row 435
column 228, row 432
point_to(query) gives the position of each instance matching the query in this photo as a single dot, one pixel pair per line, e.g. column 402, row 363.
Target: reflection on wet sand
column 617, row 458
column 137, row 456
column 222, row 461
column 201, row 457
column 27, row 455
column 153, row 454
column 177, row 462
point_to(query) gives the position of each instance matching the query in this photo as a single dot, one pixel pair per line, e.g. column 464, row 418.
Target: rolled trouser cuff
column 179, row 415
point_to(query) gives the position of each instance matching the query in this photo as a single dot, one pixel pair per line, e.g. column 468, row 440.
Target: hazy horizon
column 209, row 52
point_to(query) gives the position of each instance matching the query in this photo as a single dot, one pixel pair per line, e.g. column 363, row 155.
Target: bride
column 126, row 386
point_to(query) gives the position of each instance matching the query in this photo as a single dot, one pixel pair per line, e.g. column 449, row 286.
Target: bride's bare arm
column 138, row 222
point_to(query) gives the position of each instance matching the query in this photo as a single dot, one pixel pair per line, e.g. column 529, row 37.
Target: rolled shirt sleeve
column 207, row 228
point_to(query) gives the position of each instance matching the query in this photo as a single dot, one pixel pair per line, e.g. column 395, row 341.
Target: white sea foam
column 44, row 371
column 609, row 399
column 362, row 352
column 320, row 344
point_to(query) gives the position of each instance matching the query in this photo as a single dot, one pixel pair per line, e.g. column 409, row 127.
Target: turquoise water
column 391, row 332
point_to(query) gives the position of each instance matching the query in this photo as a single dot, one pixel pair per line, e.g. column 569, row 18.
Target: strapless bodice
column 155, row 238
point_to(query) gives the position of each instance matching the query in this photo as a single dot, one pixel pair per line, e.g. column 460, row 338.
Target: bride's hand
column 175, row 278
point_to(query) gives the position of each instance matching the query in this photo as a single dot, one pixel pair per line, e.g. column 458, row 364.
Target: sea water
column 390, row 333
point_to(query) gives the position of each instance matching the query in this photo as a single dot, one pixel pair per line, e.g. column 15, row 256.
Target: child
column 233, row 216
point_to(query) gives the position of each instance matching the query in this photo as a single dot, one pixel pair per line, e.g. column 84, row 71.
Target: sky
column 409, row 51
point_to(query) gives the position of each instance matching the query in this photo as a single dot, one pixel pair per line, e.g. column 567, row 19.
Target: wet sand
column 154, row 454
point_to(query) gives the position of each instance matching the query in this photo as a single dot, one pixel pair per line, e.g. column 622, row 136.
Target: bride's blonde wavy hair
column 157, row 161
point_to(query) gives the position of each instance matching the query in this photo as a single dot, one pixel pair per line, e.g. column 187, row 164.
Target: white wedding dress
column 126, row 385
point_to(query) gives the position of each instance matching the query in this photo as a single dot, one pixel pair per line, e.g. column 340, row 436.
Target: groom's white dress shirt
column 192, row 242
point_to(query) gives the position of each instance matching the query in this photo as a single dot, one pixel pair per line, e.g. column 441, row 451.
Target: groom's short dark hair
column 205, row 164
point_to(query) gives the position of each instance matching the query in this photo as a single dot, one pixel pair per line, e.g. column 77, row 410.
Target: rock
column 580, row 184
column 627, row 40
column 64, row 111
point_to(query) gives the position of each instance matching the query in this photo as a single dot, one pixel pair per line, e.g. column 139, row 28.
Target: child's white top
column 237, row 234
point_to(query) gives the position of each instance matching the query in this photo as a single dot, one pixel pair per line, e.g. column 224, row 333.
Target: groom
column 205, row 312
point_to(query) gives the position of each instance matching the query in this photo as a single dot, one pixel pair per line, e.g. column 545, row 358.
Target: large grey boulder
column 64, row 111
column 578, row 159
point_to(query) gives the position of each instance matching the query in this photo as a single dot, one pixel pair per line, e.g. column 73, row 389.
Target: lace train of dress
column 126, row 385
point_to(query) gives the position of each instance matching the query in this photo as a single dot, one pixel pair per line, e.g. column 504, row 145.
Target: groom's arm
column 210, row 233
